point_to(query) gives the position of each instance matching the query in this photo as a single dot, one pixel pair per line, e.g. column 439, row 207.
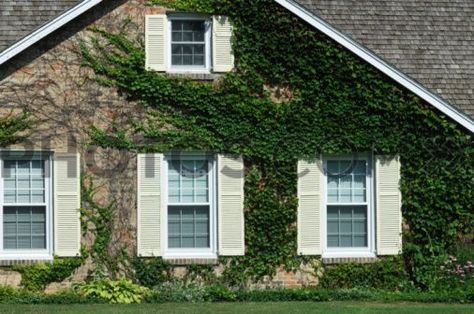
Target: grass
column 247, row 308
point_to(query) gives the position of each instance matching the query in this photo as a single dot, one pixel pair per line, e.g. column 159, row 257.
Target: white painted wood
column 156, row 29
column 309, row 207
column 388, row 199
column 223, row 58
column 231, row 205
column 149, row 204
column 67, row 201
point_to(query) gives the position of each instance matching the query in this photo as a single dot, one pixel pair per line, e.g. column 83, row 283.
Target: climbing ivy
column 13, row 127
column 294, row 93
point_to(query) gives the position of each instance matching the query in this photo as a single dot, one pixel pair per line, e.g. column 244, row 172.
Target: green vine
column 13, row 127
column 294, row 93
column 97, row 221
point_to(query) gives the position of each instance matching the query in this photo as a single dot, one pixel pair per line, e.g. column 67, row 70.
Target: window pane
column 187, row 59
column 360, row 241
column 188, row 43
column 24, row 227
column 333, row 196
column 177, row 59
column 333, row 241
column 24, row 181
column 198, row 60
column 177, row 36
column 177, row 25
column 188, row 181
column 346, row 181
column 347, row 226
column 188, row 227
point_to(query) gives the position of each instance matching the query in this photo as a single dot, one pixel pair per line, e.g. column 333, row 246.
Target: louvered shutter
column 67, row 226
column 155, row 42
column 223, row 58
column 149, row 204
column 230, row 205
column 309, row 207
column 388, row 204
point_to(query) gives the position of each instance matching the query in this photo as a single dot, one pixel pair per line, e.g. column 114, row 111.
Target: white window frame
column 207, row 39
column 350, row 252
column 174, row 253
column 34, row 254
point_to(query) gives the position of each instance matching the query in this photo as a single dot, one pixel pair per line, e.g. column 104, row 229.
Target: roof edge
column 46, row 29
column 371, row 58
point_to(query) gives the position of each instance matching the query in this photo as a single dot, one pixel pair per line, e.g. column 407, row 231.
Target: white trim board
column 46, row 29
column 378, row 63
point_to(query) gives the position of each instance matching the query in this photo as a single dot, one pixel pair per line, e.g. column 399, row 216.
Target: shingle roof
column 21, row 17
column 432, row 41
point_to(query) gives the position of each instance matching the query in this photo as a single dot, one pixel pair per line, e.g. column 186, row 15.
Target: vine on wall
column 333, row 103
column 13, row 127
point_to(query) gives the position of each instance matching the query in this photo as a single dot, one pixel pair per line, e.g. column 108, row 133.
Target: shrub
column 388, row 274
column 151, row 272
column 35, row 277
column 120, row 291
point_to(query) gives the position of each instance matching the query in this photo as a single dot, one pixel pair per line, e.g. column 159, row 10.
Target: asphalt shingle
column 21, row 17
column 432, row 41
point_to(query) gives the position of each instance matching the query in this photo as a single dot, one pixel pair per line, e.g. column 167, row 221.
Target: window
column 189, row 43
column 25, row 206
column 190, row 205
column 348, row 206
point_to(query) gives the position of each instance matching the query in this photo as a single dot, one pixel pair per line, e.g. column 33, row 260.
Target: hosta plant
column 121, row 291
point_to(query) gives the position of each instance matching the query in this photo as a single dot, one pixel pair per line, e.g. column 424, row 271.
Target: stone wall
column 49, row 81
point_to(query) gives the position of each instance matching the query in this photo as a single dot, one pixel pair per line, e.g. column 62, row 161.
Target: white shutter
column 149, row 204
column 155, row 42
column 309, row 207
column 223, row 58
column 388, row 203
column 67, row 201
column 230, row 205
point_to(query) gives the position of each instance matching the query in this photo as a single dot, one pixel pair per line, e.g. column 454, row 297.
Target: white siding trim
column 371, row 58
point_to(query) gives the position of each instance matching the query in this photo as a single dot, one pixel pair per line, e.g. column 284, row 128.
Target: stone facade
column 48, row 81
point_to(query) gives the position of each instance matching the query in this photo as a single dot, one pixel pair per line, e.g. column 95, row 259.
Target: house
column 188, row 207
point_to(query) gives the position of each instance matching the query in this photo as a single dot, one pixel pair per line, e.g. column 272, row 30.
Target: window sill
column 349, row 255
column 176, row 258
column 198, row 76
column 9, row 259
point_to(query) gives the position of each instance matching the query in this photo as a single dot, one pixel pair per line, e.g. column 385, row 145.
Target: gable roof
column 427, row 50
column 23, row 22
column 427, row 75
column 429, row 40
column 19, row 18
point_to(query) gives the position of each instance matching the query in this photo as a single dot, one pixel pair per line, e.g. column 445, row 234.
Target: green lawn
column 247, row 308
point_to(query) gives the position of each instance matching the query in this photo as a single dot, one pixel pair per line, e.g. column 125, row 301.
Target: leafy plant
column 388, row 274
column 335, row 103
column 35, row 277
column 121, row 291
column 151, row 272
column 11, row 127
